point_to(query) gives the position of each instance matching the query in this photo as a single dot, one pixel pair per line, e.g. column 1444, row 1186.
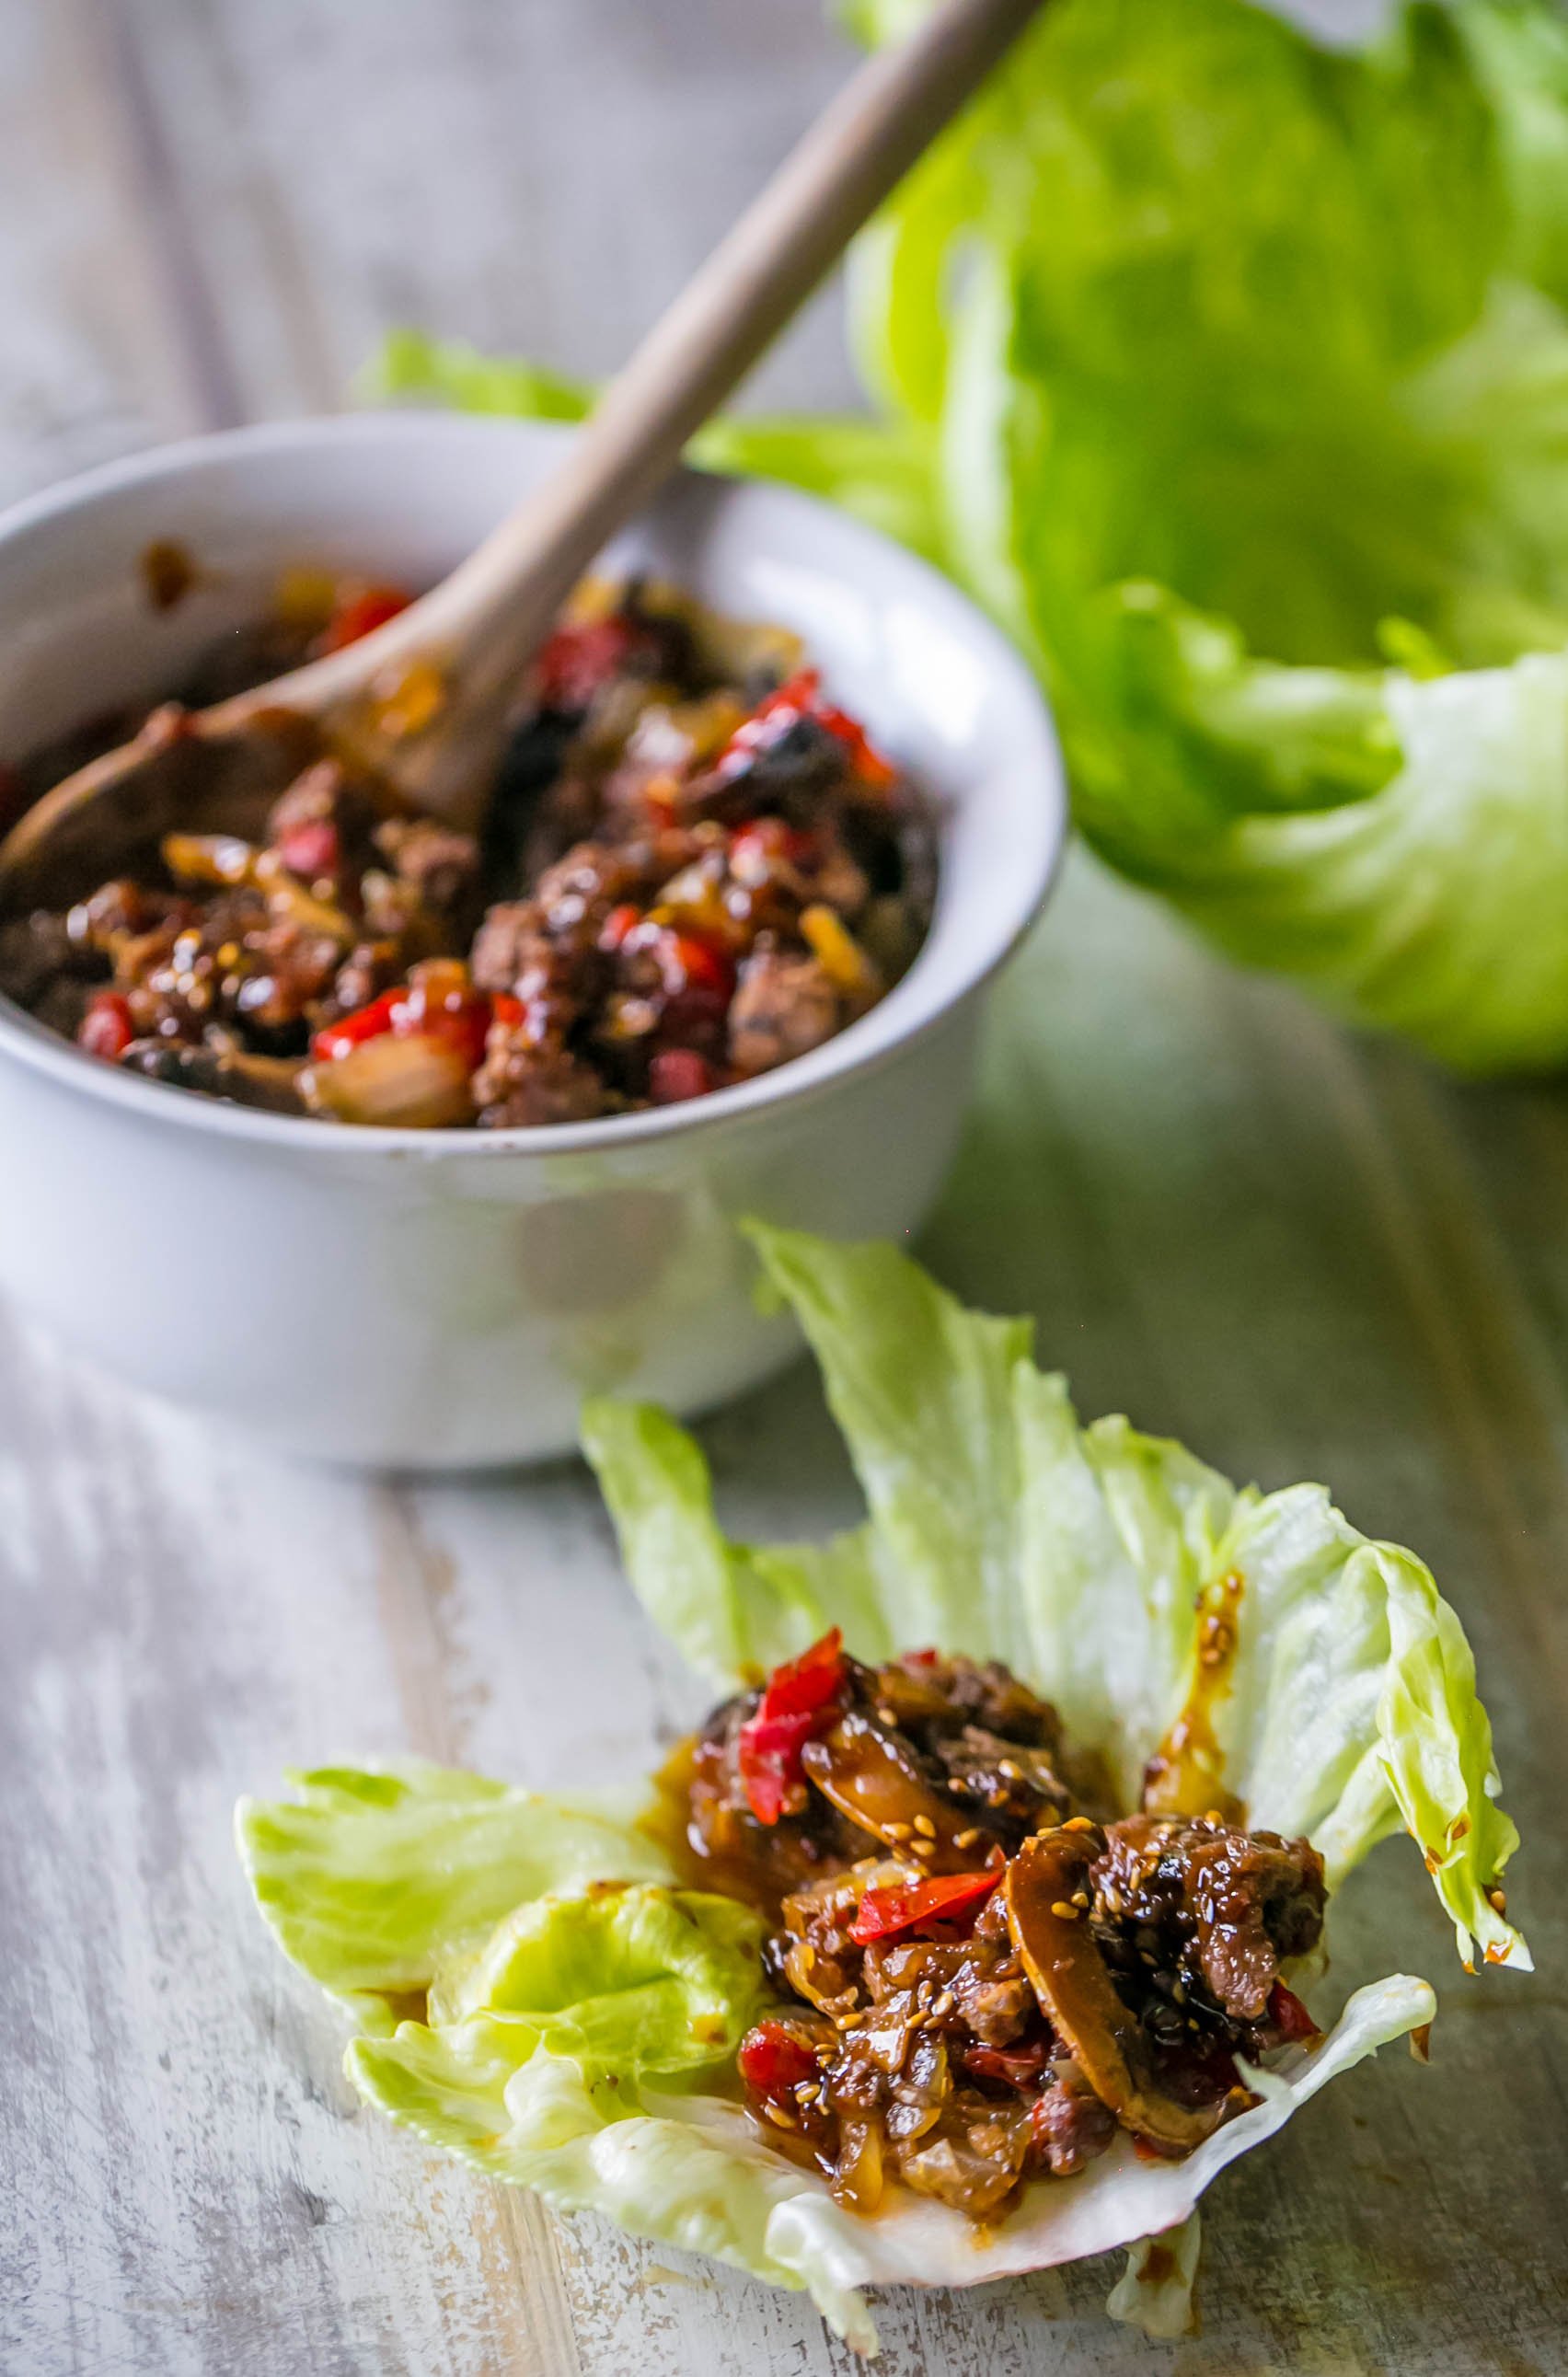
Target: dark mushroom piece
column 870, row 1779
column 1077, row 1994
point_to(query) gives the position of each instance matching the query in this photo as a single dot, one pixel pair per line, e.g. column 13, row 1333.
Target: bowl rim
column 874, row 1040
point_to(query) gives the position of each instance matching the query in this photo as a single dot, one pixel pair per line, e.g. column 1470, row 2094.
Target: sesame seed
column 966, row 1840
column 808, row 2092
column 1179, row 1993
column 924, row 1824
column 1496, row 1900
column 943, row 2006
column 1078, row 1824
column 886, row 1714
column 1081, row 1898
column 1010, row 1768
column 898, row 1832
column 777, row 2115
column 1068, row 1914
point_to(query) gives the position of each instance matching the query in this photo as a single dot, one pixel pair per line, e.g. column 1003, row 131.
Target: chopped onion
column 403, row 1081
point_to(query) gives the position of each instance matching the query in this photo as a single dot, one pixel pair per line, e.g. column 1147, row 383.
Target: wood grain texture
column 1305, row 1255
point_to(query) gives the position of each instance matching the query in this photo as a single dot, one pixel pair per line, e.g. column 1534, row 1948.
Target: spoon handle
column 498, row 606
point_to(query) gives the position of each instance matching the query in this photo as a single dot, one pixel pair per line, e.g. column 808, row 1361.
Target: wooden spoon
column 457, row 653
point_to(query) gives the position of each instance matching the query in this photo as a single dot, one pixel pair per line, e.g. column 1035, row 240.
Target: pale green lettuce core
column 536, row 1994
column 1231, row 372
column 371, row 1878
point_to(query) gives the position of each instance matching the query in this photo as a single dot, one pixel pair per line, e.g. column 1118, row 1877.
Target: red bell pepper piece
column 1288, row 2015
column 576, row 661
column 864, row 757
column 698, row 982
column 441, row 1003
column 800, row 697
column 800, row 1700
column 311, row 849
column 107, row 1029
column 351, row 1032
column 910, row 1906
column 358, row 611
column 773, row 2062
column 808, row 1683
column 676, row 1074
column 769, row 1760
column 620, row 921
column 766, row 841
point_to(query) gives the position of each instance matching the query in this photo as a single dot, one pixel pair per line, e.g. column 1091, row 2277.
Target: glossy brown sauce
column 1185, row 1775
column 667, row 1822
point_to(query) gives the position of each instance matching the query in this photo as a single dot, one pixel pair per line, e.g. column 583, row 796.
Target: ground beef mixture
column 695, row 868
column 982, row 1976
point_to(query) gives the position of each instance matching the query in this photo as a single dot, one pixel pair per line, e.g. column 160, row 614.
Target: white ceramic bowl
column 444, row 1299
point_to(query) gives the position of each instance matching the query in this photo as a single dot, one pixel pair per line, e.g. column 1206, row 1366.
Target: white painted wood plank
column 539, row 179
column 90, row 366
column 191, row 2184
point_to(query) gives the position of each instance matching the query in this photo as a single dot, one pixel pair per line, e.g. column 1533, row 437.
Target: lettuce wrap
column 535, row 1991
column 1230, row 371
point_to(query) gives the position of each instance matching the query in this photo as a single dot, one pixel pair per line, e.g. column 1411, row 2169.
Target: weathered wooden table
column 1307, row 1256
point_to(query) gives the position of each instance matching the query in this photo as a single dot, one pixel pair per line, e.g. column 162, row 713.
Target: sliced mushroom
column 872, row 1780
column 1074, row 1984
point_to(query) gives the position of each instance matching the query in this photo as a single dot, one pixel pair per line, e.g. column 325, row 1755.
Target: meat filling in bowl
column 983, row 1975
column 695, row 868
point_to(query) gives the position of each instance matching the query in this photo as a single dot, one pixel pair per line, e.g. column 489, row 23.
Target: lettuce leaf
column 1102, row 1565
column 374, row 1878
column 1231, row 372
column 578, row 2049
column 1343, row 274
column 536, row 1994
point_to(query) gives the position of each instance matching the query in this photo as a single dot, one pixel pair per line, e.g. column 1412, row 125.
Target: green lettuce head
column 534, row 1992
column 1246, row 376
column 1231, row 372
